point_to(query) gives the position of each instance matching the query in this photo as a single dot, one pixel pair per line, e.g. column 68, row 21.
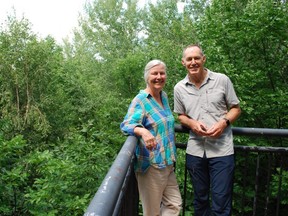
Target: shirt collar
column 209, row 77
column 147, row 94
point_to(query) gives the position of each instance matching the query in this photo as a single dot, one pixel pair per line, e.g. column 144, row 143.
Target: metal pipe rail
column 245, row 131
column 107, row 196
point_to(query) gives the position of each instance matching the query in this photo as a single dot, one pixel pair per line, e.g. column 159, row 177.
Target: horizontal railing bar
column 261, row 149
column 248, row 148
column 245, row 131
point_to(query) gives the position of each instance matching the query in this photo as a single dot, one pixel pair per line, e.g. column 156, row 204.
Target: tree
column 30, row 79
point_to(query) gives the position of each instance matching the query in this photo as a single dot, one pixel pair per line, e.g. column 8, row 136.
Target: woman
column 150, row 119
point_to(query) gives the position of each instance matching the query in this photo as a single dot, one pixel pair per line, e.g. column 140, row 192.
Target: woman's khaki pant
column 159, row 192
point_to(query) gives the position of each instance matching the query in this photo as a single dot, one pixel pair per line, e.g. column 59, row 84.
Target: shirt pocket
column 215, row 99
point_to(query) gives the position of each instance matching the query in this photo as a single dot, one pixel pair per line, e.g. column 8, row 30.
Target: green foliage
column 67, row 176
column 280, row 178
column 12, row 178
column 112, row 27
column 58, row 182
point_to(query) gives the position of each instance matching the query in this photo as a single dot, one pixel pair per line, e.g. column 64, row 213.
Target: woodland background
column 61, row 105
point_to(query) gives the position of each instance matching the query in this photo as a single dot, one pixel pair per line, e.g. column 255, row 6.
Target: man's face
column 193, row 60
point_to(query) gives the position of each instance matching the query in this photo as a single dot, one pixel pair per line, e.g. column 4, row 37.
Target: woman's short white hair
column 150, row 65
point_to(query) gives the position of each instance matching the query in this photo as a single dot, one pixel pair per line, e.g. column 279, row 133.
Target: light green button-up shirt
column 208, row 104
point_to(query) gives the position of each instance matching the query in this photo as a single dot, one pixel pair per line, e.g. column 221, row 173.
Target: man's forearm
column 233, row 114
column 185, row 120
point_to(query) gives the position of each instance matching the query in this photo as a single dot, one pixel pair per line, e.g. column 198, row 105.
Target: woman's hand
column 148, row 138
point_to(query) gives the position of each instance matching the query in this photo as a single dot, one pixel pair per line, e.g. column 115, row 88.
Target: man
column 207, row 104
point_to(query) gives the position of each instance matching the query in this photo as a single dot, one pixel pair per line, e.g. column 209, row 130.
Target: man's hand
column 199, row 128
column 217, row 129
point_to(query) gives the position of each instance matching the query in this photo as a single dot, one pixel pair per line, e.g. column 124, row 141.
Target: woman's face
column 157, row 77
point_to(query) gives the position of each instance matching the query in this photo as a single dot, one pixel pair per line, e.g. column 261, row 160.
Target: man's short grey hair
column 150, row 65
column 192, row 45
